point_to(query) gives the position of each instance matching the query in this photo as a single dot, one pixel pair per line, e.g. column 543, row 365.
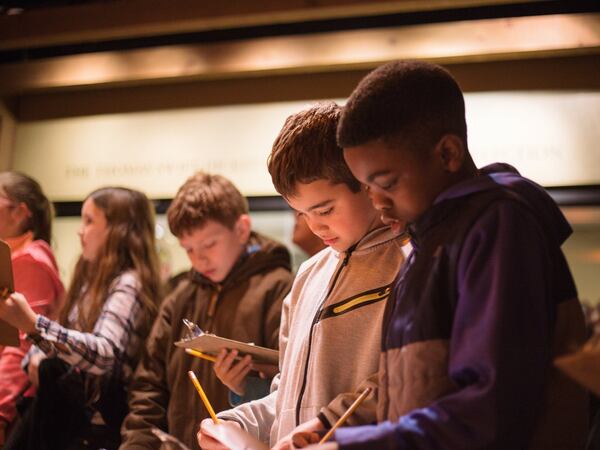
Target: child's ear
column 243, row 227
column 451, row 152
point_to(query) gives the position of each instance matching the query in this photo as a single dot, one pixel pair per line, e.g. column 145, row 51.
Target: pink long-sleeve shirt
column 36, row 276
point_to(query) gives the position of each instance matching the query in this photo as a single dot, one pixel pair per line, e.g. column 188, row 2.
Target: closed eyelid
column 386, row 182
column 324, row 211
column 325, row 204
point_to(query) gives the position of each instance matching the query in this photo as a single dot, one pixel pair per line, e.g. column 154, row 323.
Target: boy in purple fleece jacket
column 486, row 299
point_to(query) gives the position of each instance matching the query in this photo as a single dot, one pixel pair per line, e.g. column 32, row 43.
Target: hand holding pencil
column 303, row 439
column 229, row 368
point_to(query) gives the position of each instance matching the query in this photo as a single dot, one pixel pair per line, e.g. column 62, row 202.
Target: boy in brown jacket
column 235, row 290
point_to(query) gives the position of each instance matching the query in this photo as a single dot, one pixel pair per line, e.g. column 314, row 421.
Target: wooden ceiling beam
column 468, row 41
column 577, row 73
column 125, row 19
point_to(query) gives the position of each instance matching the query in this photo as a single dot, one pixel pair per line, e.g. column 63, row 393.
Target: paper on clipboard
column 212, row 345
column 232, row 436
column 9, row 335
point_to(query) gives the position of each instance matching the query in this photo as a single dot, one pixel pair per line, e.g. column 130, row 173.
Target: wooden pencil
column 203, row 396
column 198, row 354
column 347, row 414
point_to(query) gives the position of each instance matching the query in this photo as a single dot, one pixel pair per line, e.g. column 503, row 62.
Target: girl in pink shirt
column 26, row 225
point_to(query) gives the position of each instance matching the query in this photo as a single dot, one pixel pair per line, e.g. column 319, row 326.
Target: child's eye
column 325, row 212
column 209, row 245
column 387, row 185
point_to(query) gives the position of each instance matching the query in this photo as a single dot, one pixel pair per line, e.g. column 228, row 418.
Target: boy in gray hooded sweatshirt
column 330, row 333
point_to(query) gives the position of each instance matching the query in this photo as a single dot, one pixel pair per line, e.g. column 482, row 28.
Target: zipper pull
column 348, row 253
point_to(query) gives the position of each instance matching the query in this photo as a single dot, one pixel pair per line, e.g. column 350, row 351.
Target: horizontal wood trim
column 449, row 43
column 558, row 73
column 564, row 196
column 143, row 18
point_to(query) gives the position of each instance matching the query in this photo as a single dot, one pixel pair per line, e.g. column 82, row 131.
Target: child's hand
column 266, row 370
column 301, row 433
column 15, row 310
column 206, row 434
column 231, row 373
column 305, row 438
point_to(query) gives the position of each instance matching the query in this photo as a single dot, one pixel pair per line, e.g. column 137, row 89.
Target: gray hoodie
column 330, row 339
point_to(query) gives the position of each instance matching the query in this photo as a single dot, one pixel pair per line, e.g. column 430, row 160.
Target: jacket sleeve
column 366, row 413
column 499, row 349
column 100, row 351
column 34, row 282
column 149, row 394
column 273, row 305
column 257, row 417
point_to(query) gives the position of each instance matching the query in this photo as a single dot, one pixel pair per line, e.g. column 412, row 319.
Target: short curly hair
column 306, row 150
column 205, row 197
column 413, row 100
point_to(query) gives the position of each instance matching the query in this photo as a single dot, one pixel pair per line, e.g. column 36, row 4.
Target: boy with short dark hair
column 331, row 322
column 486, row 298
column 235, row 289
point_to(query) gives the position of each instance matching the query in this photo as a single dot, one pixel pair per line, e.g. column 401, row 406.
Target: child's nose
column 314, row 224
column 200, row 258
column 317, row 225
column 380, row 201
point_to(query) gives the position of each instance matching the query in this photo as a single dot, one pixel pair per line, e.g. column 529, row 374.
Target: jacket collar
column 370, row 241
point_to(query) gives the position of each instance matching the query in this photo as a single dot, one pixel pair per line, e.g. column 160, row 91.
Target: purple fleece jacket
column 510, row 276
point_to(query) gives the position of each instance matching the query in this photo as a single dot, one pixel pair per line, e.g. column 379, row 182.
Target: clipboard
column 9, row 335
column 212, row 345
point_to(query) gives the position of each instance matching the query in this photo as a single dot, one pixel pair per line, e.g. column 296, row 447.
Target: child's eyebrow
column 320, row 205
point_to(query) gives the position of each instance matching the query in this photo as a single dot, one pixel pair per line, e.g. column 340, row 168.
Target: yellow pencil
column 198, row 354
column 203, row 396
column 347, row 414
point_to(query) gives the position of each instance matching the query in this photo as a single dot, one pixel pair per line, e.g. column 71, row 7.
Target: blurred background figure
column 83, row 362
column 26, row 226
column 304, row 238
